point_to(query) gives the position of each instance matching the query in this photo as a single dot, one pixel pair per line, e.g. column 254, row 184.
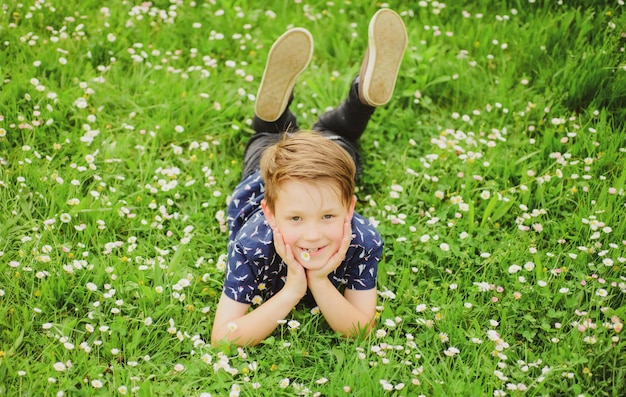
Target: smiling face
column 310, row 217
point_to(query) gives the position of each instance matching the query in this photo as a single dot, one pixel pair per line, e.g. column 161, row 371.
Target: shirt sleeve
column 240, row 280
column 362, row 267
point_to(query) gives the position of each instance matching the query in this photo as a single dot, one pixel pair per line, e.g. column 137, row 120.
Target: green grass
column 496, row 177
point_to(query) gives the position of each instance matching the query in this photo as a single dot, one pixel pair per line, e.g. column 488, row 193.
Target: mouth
column 307, row 253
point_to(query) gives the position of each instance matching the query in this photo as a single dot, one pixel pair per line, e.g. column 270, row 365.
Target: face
column 310, row 217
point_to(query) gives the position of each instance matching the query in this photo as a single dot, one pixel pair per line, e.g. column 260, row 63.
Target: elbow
column 216, row 339
column 220, row 339
column 367, row 329
column 359, row 330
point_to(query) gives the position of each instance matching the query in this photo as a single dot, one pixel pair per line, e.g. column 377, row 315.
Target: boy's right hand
column 296, row 281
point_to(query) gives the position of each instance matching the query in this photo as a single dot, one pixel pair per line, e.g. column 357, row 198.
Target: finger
column 347, row 235
column 279, row 243
column 289, row 253
column 339, row 256
column 292, row 263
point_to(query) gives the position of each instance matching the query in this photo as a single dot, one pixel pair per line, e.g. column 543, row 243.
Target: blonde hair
column 307, row 156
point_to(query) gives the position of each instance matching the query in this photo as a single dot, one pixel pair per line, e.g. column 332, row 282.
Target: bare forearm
column 342, row 315
column 251, row 328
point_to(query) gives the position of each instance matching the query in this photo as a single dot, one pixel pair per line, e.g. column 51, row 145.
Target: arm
column 234, row 324
column 348, row 314
column 351, row 313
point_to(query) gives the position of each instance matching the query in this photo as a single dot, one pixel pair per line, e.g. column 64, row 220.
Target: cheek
column 335, row 233
column 290, row 235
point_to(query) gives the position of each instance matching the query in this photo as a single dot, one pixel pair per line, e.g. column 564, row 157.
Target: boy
column 294, row 235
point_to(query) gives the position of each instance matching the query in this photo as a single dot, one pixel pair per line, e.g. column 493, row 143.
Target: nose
column 312, row 232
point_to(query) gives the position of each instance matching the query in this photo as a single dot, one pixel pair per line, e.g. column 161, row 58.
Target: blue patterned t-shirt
column 255, row 272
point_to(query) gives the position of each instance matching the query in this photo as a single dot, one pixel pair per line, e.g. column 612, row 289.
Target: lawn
column 495, row 176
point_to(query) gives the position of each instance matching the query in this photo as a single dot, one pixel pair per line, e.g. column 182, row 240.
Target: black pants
column 345, row 124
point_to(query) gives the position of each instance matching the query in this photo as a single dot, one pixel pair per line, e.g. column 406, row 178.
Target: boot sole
column 288, row 58
column 387, row 40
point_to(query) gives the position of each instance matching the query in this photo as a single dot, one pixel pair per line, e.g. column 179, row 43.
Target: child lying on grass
column 294, row 235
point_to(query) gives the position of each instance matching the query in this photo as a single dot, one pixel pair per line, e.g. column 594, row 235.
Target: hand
column 296, row 276
column 335, row 260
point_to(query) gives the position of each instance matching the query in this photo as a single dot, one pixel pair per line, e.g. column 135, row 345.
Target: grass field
column 495, row 175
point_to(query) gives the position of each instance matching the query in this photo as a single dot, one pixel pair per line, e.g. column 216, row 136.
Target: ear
column 269, row 215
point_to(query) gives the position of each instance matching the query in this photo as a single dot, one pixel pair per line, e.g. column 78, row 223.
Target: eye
column 295, row 218
column 328, row 216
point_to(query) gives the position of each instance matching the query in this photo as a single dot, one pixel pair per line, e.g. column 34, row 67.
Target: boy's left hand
column 335, row 260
